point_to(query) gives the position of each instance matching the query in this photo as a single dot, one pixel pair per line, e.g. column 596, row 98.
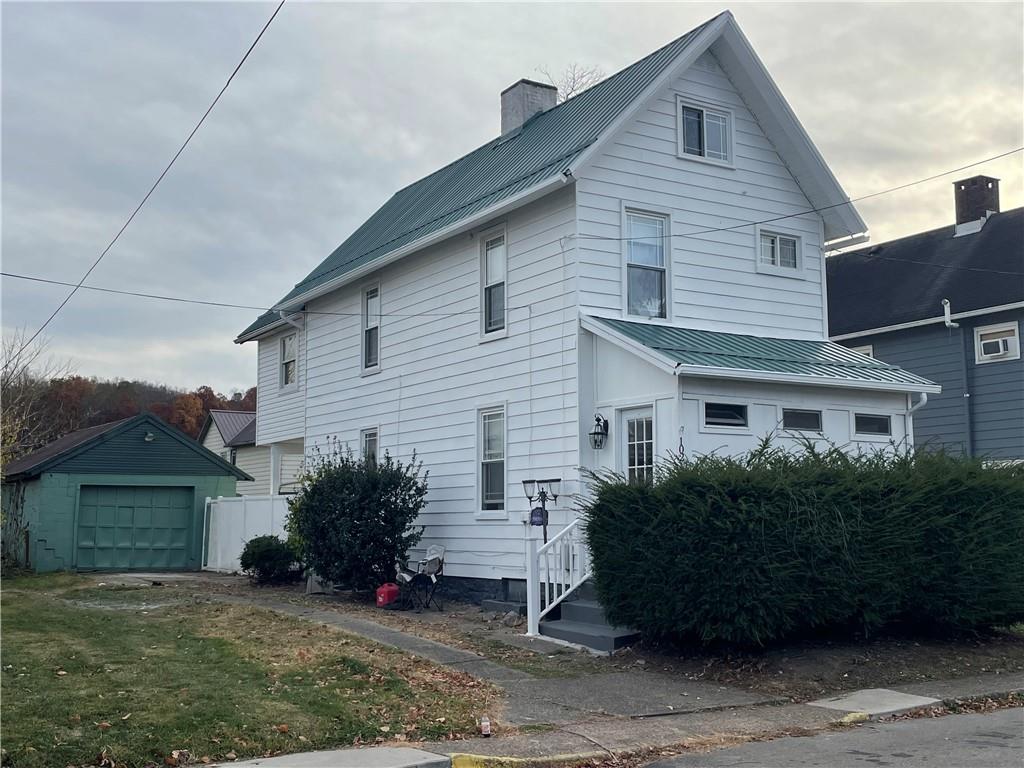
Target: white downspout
column 910, row 415
column 948, row 317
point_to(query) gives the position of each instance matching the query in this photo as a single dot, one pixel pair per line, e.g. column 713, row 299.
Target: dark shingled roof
column 236, row 428
column 905, row 280
column 61, row 445
column 539, row 150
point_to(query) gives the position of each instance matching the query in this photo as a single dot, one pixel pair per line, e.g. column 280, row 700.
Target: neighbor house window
column 368, row 444
column 872, row 424
column 704, row 132
column 646, row 271
column 495, row 263
column 492, row 459
column 867, row 350
column 638, row 432
column 993, row 343
column 229, row 455
column 289, row 361
column 779, row 253
column 371, row 327
column 725, row 415
column 801, row 420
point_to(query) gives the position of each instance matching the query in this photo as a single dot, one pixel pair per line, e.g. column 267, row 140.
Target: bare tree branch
column 574, row 79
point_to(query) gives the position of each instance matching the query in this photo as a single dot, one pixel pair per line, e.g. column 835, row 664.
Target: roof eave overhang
column 927, row 321
column 667, row 364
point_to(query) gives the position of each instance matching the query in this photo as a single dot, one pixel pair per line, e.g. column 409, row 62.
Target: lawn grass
column 146, row 672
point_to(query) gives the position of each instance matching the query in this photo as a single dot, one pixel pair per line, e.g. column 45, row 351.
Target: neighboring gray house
column 948, row 305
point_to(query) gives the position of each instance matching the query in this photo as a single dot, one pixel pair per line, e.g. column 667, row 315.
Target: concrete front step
column 600, row 637
column 584, row 611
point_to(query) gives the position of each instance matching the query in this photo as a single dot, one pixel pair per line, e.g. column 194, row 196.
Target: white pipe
column 947, row 316
column 920, row 404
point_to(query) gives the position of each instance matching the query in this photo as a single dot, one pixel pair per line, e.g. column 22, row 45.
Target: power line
column 809, row 210
column 78, row 285
column 183, row 300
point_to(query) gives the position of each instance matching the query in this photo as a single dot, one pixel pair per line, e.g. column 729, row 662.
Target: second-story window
column 704, row 132
column 494, row 268
column 371, row 327
column 778, row 254
column 646, row 270
column 289, row 360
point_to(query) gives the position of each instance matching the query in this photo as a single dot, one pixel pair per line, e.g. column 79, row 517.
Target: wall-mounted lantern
column 149, row 437
column 599, row 434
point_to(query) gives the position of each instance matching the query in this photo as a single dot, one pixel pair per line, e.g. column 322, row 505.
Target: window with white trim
column 229, row 455
column 872, row 424
column 996, row 343
column 495, row 265
column 800, row 420
column 725, row 415
column 368, row 444
column 638, row 446
column 704, row 132
column 492, row 459
column 646, row 264
column 371, row 327
column 289, row 360
column 867, row 350
column 778, row 252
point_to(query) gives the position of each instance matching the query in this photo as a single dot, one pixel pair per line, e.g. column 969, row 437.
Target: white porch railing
column 554, row 571
column 232, row 521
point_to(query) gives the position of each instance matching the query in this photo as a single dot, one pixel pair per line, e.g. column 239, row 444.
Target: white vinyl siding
column 279, row 412
column 255, row 460
column 714, row 280
column 436, row 377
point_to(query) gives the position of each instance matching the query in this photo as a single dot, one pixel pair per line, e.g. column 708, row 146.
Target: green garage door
column 142, row 527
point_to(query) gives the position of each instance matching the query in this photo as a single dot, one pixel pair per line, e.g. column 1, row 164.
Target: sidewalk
column 601, row 715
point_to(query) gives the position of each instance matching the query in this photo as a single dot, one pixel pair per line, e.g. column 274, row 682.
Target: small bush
column 268, row 560
column 354, row 518
column 775, row 545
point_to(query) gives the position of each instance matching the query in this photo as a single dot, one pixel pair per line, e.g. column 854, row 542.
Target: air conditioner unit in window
column 995, row 347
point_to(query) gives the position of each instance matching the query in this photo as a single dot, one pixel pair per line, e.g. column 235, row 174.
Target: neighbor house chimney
column 975, row 198
column 522, row 100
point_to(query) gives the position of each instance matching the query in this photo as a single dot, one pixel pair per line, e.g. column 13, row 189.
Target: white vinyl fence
column 232, row 521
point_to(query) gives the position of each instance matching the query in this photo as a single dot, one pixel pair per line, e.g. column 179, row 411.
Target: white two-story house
column 648, row 251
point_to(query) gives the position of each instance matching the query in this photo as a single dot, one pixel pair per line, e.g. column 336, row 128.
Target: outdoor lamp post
column 540, row 491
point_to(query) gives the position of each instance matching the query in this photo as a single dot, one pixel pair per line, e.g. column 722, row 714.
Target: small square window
column 872, row 424
column 725, row 415
column 704, row 132
column 996, row 343
column 800, row 420
column 779, row 252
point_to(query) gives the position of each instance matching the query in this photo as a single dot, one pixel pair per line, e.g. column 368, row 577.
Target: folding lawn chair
column 419, row 587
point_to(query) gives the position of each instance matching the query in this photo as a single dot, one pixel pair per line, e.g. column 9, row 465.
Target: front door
column 636, row 443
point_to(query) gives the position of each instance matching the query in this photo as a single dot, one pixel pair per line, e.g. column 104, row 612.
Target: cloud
column 342, row 104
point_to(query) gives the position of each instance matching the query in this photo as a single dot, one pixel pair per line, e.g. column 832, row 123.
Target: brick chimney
column 522, row 100
column 975, row 198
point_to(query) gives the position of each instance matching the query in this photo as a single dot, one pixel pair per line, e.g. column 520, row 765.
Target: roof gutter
column 930, row 321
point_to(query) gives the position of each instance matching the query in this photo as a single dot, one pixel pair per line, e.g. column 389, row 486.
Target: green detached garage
column 128, row 495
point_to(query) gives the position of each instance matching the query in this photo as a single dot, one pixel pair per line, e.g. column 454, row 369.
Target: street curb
column 466, row 760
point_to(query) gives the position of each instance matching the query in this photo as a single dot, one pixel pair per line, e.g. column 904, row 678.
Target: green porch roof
column 825, row 362
column 540, row 150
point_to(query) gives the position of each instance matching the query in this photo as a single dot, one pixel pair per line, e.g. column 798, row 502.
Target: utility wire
column 78, row 285
column 809, row 210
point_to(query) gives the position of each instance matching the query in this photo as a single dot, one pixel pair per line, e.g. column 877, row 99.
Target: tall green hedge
column 775, row 545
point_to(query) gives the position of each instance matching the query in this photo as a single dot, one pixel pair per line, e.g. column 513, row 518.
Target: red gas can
column 386, row 594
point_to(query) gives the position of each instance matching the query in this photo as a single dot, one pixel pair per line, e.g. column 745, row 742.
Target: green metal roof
column 822, row 360
column 540, row 150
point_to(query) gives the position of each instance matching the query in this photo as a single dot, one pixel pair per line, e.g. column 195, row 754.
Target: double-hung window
column 494, row 268
column 492, row 459
column 368, row 444
column 289, row 360
column 371, row 328
column 778, row 253
column 646, row 264
column 704, row 132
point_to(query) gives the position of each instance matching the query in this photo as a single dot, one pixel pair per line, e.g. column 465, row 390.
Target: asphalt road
column 994, row 740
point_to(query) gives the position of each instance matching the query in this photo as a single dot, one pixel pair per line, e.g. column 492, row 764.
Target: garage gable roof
column 121, row 447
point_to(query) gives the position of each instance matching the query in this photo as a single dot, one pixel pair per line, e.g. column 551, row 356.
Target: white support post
column 275, row 469
column 532, row 589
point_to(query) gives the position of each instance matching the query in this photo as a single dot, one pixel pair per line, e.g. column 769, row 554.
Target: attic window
column 704, row 132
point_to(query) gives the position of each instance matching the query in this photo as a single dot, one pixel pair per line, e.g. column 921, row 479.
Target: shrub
column 354, row 518
column 268, row 560
column 776, row 544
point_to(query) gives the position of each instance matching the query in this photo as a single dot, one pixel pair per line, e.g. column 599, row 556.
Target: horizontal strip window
column 801, row 420
column 725, row 415
column 872, row 424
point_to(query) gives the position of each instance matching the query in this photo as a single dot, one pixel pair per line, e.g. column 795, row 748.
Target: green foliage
column 268, row 560
column 775, row 544
column 354, row 517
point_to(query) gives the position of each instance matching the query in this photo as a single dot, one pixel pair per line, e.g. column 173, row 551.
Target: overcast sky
column 342, row 104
